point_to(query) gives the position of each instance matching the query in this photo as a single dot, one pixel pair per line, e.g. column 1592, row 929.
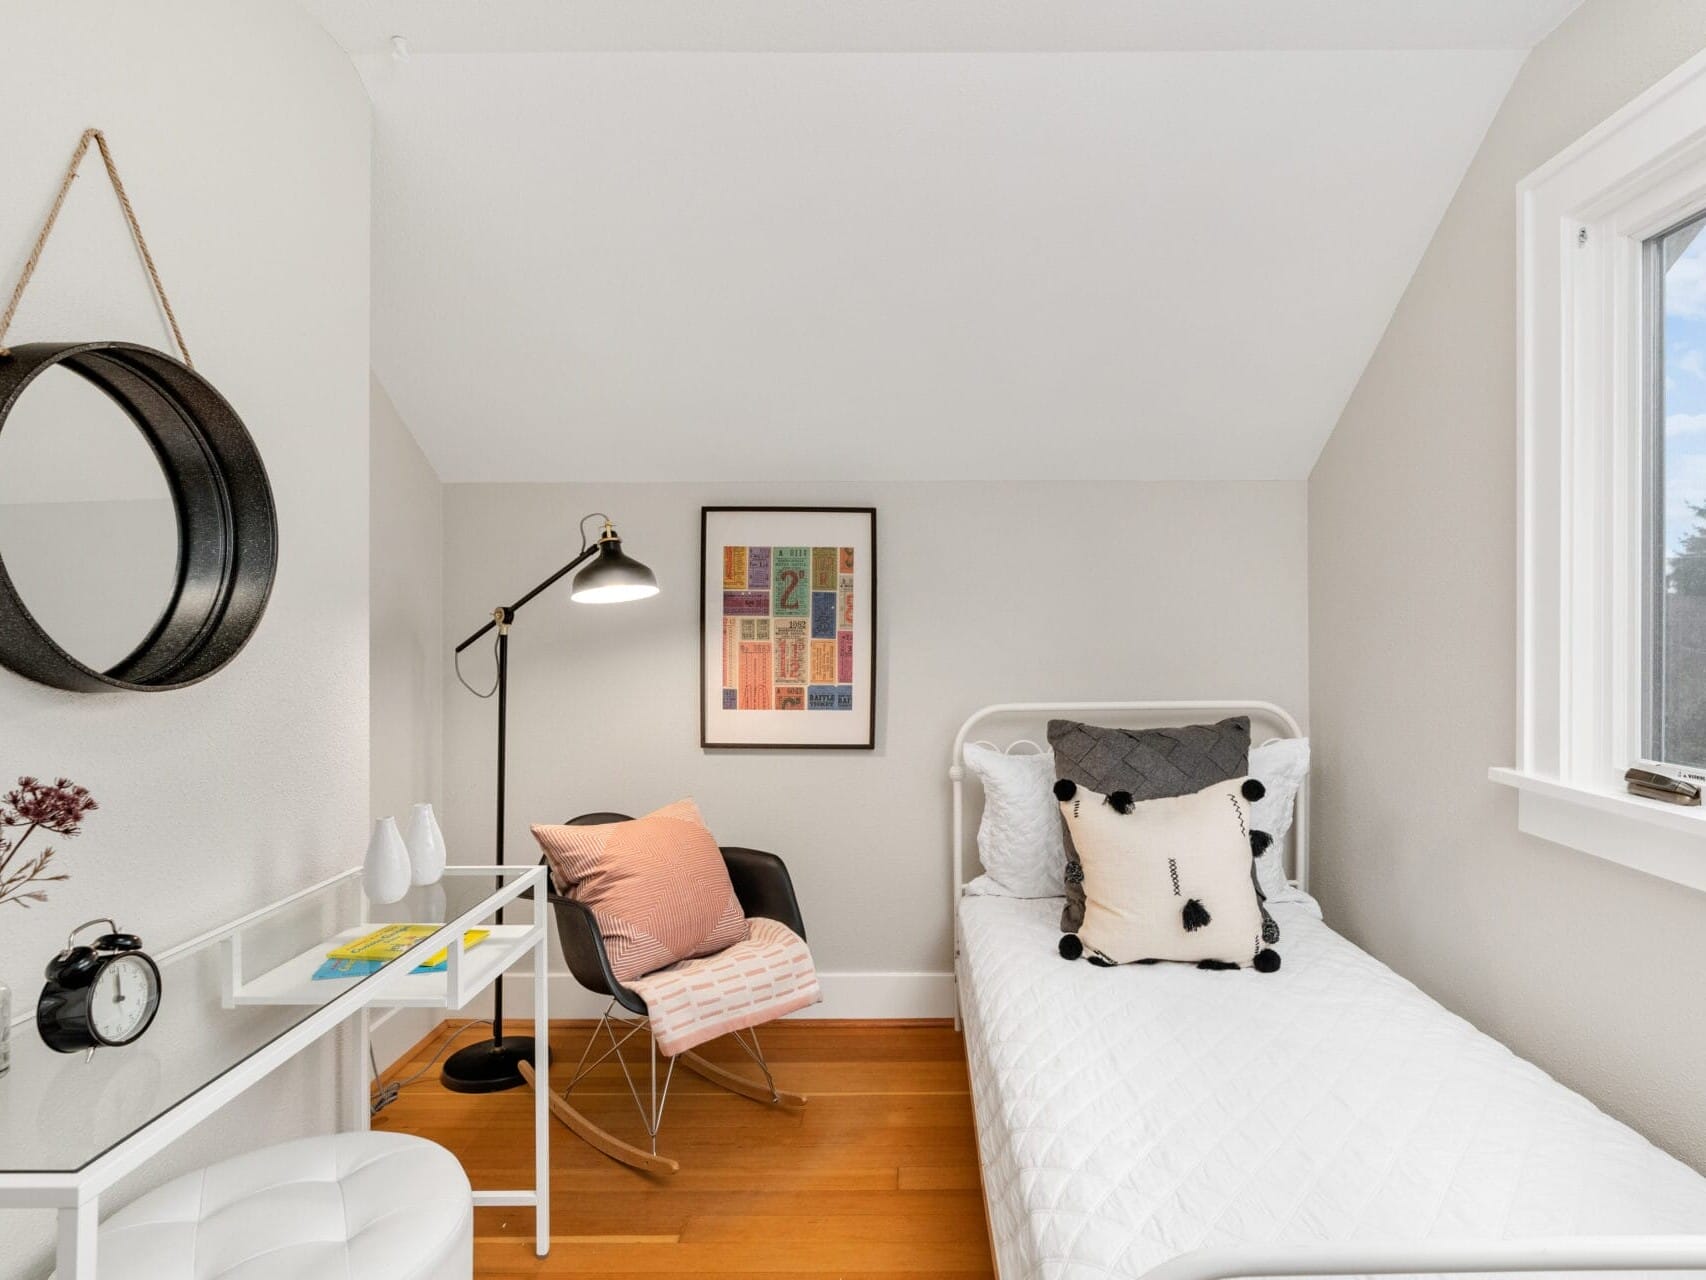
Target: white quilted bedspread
column 1129, row 1115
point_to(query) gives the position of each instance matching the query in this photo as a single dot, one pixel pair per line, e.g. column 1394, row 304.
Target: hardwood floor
column 876, row 1177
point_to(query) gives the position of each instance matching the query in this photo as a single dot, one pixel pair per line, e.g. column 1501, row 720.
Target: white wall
column 243, row 135
column 986, row 593
column 406, row 700
column 407, row 586
column 1592, row 970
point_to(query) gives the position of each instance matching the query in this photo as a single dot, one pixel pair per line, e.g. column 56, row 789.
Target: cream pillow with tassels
column 1167, row 879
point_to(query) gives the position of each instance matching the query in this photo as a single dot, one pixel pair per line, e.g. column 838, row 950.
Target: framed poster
column 787, row 633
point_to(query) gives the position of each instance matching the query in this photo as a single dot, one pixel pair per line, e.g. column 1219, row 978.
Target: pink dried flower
column 58, row 808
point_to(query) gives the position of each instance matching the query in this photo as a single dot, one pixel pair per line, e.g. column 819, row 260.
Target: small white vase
column 385, row 874
column 5, row 1028
column 426, row 845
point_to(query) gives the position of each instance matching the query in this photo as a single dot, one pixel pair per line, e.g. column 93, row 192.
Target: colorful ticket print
column 787, row 630
column 788, row 627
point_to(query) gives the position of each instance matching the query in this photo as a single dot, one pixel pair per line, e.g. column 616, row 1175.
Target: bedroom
column 1332, row 361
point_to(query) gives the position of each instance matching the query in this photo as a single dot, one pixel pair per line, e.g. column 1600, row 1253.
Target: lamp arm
column 510, row 612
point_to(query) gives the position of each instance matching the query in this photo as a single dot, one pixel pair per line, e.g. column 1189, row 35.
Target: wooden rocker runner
column 724, row 1002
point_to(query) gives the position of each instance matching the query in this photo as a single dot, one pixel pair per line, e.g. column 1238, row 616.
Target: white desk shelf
column 293, row 983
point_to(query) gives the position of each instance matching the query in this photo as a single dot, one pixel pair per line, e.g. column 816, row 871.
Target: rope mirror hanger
column 226, row 520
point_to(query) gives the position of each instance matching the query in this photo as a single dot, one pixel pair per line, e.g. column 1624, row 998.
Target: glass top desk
column 235, row 1004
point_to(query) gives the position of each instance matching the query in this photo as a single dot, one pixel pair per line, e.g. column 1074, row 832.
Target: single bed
column 1328, row 1119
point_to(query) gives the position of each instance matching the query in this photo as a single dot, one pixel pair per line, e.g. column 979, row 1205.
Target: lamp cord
column 456, row 658
column 384, row 1092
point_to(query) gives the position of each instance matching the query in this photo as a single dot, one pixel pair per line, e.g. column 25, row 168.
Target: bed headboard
column 1009, row 722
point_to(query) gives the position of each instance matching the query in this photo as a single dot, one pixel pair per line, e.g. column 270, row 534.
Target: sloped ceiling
column 714, row 241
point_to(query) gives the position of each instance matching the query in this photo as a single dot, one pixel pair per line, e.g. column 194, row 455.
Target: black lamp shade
column 612, row 577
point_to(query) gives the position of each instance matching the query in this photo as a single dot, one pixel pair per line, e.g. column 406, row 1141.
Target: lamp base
column 490, row 1066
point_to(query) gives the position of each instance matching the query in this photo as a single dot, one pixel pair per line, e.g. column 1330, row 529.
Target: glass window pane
column 1676, row 453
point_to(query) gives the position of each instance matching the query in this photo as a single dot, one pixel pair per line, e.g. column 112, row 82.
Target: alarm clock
column 106, row 993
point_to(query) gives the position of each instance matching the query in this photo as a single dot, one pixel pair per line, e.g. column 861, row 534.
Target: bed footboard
column 1440, row 1257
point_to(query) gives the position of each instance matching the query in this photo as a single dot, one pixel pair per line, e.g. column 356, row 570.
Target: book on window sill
column 387, row 943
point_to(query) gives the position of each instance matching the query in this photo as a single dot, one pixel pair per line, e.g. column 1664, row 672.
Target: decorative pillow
column 657, row 885
column 1018, row 840
column 1149, row 764
column 1280, row 765
column 1167, row 879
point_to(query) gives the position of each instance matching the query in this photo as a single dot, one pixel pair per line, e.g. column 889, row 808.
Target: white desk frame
column 76, row 1196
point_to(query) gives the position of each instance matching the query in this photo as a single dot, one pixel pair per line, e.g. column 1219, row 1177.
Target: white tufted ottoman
column 354, row 1206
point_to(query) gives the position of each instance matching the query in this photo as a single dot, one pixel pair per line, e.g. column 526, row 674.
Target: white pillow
column 1280, row 765
column 1018, row 841
column 1166, row 879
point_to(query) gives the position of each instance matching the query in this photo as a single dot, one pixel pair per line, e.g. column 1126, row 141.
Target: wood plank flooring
column 876, row 1177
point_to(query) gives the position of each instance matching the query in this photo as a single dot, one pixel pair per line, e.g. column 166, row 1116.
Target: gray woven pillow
column 1150, row 763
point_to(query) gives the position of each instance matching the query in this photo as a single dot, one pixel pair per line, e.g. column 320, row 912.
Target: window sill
column 1663, row 840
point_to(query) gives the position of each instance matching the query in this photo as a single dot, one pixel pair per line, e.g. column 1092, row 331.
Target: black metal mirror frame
column 227, row 524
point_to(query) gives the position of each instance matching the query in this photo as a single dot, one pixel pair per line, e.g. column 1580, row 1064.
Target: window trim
column 1583, row 220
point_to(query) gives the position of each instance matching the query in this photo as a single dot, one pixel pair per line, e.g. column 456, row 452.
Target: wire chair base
column 614, row 1031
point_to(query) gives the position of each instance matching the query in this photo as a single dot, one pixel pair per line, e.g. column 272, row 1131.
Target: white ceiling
column 934, row 26
column 854, row 265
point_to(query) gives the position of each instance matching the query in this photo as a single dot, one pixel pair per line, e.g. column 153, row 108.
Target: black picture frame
column 869, row 673
column 227, row 521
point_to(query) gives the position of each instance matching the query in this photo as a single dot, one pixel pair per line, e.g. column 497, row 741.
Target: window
column 1674, row 612
column 1612, row 511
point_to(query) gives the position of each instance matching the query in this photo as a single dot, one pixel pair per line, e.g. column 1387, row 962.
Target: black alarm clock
column 103, row 994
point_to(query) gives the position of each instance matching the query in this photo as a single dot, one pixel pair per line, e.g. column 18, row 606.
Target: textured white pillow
column 1167, row 879
column 1018, row 841
column 1280, row 765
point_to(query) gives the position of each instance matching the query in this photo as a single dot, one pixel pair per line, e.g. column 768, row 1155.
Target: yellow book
column 393, row 940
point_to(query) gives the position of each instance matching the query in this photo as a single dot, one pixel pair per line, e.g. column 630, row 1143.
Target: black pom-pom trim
column 1065, row 789
column 1101, row 962
column 1070, row 946
column 1266, row 961
column 1216, row 965
column 1260, row 842
column 1253, row 790
column 1121, row 801
column 1195, row 915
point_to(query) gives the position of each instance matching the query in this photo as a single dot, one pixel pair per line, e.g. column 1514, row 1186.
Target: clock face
column 123, row 999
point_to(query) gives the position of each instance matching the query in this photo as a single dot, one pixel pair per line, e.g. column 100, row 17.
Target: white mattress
column 1129, row 1115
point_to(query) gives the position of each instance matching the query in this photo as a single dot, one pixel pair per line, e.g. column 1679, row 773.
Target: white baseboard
column 845, row 995
column 884, row 995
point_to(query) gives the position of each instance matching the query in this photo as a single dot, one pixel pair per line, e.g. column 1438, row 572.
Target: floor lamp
column 611, row 578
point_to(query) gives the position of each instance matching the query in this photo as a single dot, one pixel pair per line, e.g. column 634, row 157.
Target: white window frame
column 1583, row 219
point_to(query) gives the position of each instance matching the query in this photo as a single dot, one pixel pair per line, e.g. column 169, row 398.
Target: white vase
column 5, row 1028
column 385, row 874
column 426, row 845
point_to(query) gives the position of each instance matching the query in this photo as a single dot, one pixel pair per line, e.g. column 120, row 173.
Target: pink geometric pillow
column 657, row 885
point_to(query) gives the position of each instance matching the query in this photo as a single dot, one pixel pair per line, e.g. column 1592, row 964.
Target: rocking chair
column 762, row 884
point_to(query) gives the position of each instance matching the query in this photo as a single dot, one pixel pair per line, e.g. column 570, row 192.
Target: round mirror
column 88, row 530
column 138, row 537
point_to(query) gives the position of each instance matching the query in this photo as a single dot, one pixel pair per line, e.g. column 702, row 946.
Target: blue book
column 347, row 969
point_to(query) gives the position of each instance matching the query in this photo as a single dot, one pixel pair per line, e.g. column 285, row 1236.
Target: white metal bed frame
column 1329, row 1258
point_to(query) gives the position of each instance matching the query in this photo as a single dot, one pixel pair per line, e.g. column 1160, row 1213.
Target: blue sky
column 1685, row 391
